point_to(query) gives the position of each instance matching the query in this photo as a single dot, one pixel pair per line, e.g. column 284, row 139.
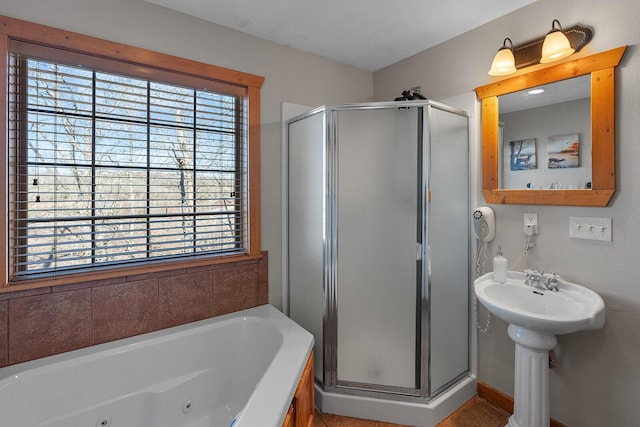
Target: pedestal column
column 531, row 383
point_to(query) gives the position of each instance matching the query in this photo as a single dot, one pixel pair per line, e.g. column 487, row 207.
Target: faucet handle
column 533, row 277
column 530, row 272
column 550, row 280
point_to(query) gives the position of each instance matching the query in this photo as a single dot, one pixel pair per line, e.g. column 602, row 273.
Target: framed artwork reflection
column 564, row 151
column 522, row 154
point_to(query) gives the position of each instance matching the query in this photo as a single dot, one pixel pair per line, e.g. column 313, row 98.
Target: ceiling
column 366, row 34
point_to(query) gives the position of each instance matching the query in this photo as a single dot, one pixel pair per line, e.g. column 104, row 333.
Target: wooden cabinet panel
column 303, row 399
column 303, row 407
column 288, row 419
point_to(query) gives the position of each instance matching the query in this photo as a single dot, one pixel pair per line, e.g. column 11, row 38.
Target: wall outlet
column 590, row 228
column 530, row 224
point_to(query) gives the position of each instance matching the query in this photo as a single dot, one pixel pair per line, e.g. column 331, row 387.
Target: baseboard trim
column 504, row 401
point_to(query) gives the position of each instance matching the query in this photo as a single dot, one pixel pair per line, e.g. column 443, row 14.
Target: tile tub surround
column 45, row 321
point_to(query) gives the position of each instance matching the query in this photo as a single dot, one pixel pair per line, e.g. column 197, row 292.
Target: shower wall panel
column 448, row 234
column 306, row 193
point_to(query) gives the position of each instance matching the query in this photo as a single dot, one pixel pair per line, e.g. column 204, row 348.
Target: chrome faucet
column 533, row 278
column 550, row 280
column 541, row 280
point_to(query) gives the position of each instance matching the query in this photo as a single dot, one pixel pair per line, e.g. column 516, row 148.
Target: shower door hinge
column 419, row 251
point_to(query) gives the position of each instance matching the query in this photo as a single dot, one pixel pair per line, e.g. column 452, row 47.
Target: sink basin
column 573, row 308
column 535, row 317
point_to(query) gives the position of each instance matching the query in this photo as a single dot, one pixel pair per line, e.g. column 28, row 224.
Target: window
column 113, row 164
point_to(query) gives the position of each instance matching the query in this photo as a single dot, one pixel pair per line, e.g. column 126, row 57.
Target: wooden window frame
column 66, row 41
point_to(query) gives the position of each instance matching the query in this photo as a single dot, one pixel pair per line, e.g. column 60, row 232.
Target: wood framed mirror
column 601, row 68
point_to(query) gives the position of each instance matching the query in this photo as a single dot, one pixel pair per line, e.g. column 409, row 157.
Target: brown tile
column 477, row 412
column 235, row 288
column 185, row 298
column 238, row 273
column 124, row 310
column 156, row 274
column 317, row 420
column 339, row 421
column 200, row 268
column 263, row 279
column 263, row 293
column 4, row 333
column 263, row 267
column 88, row 284
column 25, row 293
column 228, row 264
column 49, row 324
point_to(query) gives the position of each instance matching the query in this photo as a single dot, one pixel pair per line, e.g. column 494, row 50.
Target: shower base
column 414, row 412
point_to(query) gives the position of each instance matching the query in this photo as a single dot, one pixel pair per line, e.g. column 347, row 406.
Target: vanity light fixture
column 556, row 45
column 559, row 43
column 504, row 63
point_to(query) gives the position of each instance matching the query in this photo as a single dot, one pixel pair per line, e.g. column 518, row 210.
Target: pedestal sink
column 535, row 317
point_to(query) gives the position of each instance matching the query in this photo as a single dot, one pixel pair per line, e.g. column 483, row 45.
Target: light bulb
column 556, row 45
column 504, row 62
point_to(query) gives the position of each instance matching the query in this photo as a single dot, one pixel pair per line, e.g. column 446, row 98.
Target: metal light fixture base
column 529, row 53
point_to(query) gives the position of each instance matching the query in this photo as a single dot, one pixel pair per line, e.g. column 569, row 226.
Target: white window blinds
column 108, row 169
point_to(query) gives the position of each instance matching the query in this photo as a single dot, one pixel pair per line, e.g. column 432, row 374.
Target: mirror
column 551, row 143
column 545, row 136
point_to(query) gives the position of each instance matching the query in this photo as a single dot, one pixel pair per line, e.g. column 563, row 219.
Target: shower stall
column 377, row 256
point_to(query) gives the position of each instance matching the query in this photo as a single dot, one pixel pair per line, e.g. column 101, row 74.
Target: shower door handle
column 418, row 251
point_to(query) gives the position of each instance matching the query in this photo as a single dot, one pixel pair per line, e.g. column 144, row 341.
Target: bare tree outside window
column 111, row 169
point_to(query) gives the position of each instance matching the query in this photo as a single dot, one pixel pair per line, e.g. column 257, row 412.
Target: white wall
column 290, row 75
column 597, row 381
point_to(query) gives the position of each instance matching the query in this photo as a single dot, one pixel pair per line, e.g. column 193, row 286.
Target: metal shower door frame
column 330, row 375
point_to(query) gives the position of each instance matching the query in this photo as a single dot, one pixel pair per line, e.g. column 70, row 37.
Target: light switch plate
column 590, row 228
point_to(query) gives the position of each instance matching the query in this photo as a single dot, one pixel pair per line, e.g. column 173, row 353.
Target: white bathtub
column 240, row 368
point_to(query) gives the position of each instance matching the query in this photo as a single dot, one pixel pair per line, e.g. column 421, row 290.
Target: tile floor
column 477, row 412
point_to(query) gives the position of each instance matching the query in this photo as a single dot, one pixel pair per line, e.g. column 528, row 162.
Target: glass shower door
column 377, row 271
